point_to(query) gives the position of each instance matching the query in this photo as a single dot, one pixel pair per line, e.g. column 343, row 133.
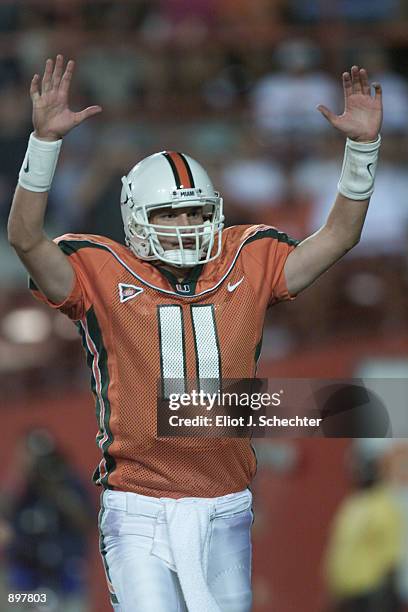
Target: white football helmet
column 170, row 179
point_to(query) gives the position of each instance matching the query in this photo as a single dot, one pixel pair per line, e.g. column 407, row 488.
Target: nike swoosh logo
column 369, row 169
column 233, row 287
column 27, row 166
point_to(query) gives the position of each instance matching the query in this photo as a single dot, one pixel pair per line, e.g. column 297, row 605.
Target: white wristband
column 359, row 166
column 39, row 164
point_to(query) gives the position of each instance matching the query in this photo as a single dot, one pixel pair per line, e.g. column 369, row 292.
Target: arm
column 52, row 119
column 360, row 122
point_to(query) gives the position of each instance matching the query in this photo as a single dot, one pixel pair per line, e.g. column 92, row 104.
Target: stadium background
column 234, row 83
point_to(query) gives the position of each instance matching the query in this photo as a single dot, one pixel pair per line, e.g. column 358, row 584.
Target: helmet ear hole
column 126, row 193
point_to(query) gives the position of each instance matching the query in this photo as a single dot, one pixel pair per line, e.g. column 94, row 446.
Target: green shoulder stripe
column 69, row 247
column 72, row 246
column 273, row 233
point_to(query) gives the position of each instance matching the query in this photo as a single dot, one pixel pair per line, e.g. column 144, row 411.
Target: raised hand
column 362, row 116
column 52, row 118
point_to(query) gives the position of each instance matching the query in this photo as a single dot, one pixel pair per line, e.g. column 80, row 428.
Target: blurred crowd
column 46, row 515
column 235, row 84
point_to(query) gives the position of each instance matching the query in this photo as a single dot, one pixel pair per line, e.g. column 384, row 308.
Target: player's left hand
column 362, row 116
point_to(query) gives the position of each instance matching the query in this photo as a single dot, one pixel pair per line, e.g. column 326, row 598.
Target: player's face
column 182, row 217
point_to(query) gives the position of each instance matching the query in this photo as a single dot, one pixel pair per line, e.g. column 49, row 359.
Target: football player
column 181, row 298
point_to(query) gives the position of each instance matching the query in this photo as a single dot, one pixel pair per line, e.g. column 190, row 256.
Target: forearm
column 356, row 185
column 345, row 221
column 47, row 265
column 26, row 220
column 361, row 123
column 343, row 227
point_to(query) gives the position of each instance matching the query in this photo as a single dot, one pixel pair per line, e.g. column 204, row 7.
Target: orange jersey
column 139, row 326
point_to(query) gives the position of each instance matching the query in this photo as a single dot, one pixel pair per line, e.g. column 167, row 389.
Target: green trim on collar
column 188, row 285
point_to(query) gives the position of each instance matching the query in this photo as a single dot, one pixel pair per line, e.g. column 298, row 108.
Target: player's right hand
column 52, row 118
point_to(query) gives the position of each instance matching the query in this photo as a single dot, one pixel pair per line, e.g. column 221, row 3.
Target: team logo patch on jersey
column 127, row 292
column 183, row 288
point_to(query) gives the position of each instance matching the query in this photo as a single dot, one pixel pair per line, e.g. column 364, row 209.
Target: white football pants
column 187, row 555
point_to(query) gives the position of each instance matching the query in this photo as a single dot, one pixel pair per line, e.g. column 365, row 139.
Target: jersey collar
column 188, row 285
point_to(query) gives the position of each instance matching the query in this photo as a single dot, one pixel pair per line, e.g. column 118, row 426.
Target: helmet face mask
column 153, row 185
